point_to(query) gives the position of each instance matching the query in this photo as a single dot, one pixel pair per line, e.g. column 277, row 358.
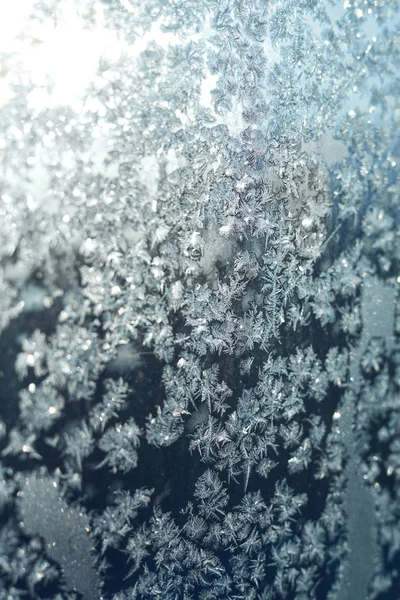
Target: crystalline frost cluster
column 199, row 317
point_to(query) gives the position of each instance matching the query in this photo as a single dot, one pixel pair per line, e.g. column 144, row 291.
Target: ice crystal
column 199, row 313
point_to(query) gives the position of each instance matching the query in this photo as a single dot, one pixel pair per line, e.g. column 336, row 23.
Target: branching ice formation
column 199, row 314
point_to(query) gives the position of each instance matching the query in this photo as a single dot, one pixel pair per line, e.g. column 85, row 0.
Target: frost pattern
column 65, row 531
column 199, row 314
